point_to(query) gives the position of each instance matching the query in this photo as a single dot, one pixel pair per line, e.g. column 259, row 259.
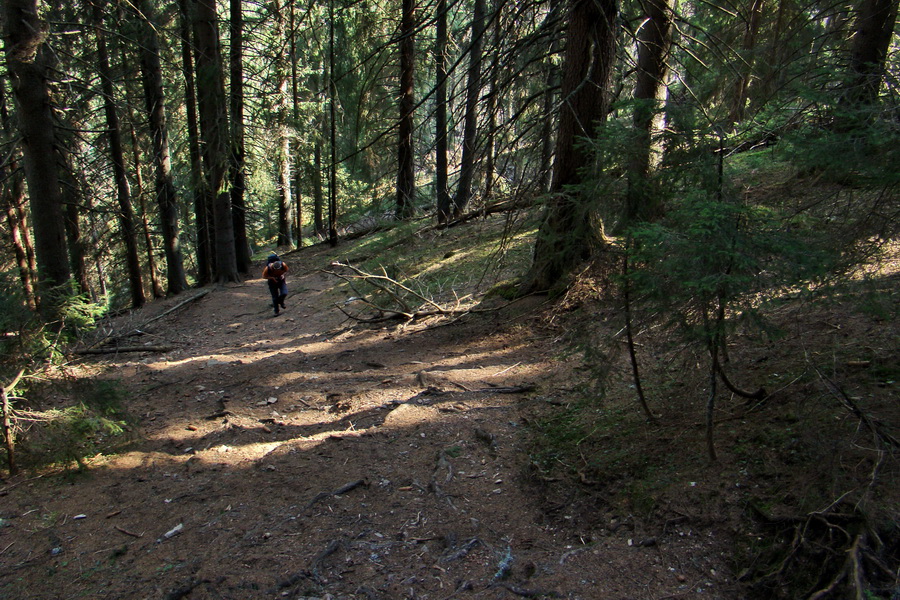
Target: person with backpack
column 275, row 274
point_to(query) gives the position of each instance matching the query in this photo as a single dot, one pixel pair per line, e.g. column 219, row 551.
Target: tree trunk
column 470, row 126
column 238, row 170
column 25, row 62
column 318, row 188
column 551, row 83
column 214, row 129
column 490, row 150
column 123, row 189
column 745, row 66
column 295, row 106
column 444, row 209
column 166, row 196
column 282, row 119
column 332, row 124
column 12, row 198
column 568, row 232
column 874, row 28
column 406, row 174
column 649, row 119
column 202, row 197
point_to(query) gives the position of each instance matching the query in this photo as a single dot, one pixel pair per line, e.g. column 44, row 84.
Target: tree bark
column 214, row 130
column 745, row 66
column 444, row 206
column 283, row 160
column 238, row 169
column 295, row 107
column 123, row 189
column 874, row 28
column 202, row 197
column 12, row 197
column 568, row 230
column 406, row 174
column 649, row 119
column 470, row 126
column 332, row 124
column 27, row 69
column 166, row 196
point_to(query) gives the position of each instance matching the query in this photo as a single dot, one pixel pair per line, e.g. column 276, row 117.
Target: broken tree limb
column 341, row 490
column 119, row 349
column 96, row 349
column 177, row 306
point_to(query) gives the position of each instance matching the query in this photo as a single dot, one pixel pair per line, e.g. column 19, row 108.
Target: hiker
column 275, row 275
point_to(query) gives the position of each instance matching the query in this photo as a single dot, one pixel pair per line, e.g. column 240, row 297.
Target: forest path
column 305, row 456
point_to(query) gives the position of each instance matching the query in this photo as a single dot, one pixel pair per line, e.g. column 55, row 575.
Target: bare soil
column 307, row 456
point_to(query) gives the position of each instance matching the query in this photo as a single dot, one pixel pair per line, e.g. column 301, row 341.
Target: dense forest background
column 152, row 146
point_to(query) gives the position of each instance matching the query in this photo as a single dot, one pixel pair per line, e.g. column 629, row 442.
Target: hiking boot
column 276, row 311
column 282, row 305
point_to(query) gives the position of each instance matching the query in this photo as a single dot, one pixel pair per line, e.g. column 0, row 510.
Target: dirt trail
column 300, row 456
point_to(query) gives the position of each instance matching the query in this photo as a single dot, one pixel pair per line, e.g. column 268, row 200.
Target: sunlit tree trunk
column 25, row 62
column 406, row 174
column 470, row 125
column 568, row 230
column 214, row 130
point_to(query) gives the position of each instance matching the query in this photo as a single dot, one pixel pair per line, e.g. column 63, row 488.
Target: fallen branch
column 138, row 330
column 341, row 490
column 873, row 426
column 398, row 293
column 122, row 349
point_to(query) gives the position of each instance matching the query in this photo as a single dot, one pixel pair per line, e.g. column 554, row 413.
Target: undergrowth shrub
column 64, row 422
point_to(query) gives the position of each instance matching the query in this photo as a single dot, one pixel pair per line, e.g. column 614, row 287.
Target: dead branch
column 138, row 330
column 122, row 349
column 395, row 290
column 341, row 490
column 872, row 425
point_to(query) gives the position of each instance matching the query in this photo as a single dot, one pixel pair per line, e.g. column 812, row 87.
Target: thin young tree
column 283, row 155
column 238, row 152
column 406, row 174
column 443, row 199
column 470, row 120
